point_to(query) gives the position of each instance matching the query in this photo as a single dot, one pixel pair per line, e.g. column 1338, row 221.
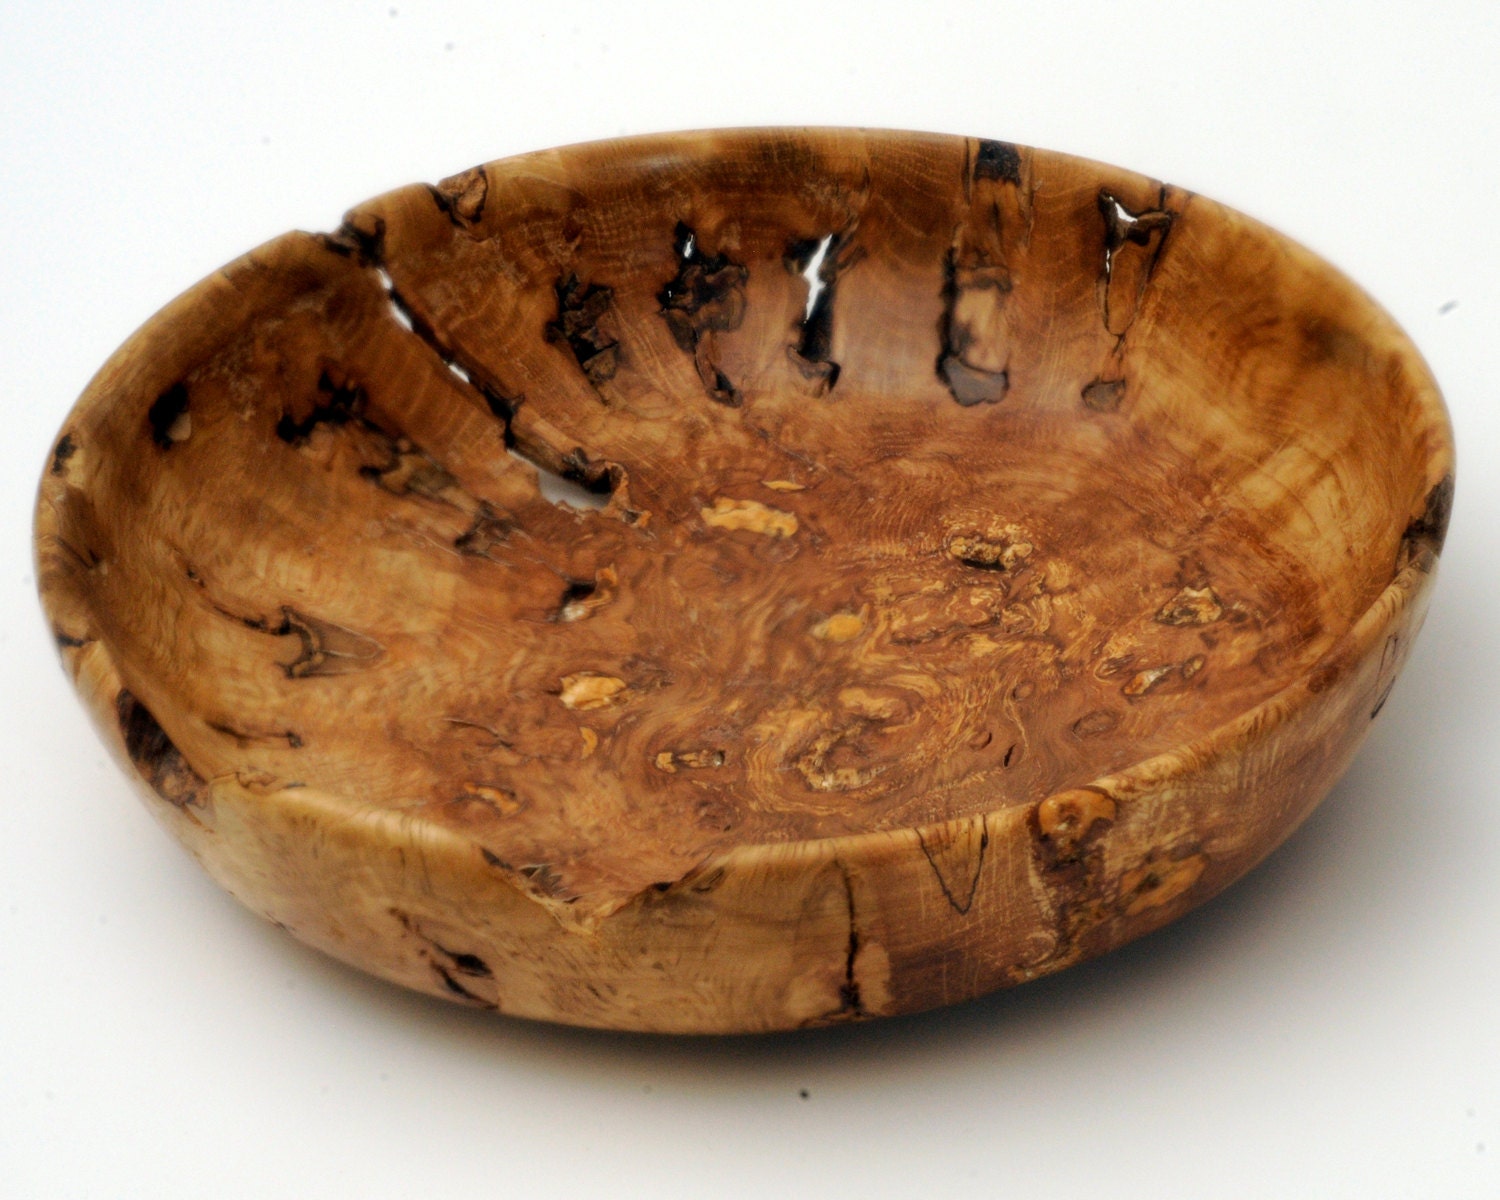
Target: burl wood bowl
column 747, row 580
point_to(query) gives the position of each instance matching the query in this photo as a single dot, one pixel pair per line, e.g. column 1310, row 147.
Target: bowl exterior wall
column 812, row 933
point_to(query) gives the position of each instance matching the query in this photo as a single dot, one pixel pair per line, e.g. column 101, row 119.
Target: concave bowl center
column 751, row 579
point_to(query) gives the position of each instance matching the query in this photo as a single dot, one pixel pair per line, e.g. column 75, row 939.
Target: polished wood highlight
column 746, row 580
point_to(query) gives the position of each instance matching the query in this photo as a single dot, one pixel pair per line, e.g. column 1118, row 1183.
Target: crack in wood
column 851, row 1001
column 245, row 738
column 704, row 298
column 1133, row 242
column 585, row 323
column 967, row 383
column 560, row 469
column 457, row 963
column 327, row 648
column 156, row 756
column 1423, row 538
column 961, row 907
column 820, row 261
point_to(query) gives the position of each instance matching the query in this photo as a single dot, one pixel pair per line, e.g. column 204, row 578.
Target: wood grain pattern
column 737, row 581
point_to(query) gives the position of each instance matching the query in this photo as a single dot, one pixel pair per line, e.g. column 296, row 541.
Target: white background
column 1328, row 1028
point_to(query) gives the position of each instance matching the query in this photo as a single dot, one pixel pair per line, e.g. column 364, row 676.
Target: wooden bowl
column 746, row 580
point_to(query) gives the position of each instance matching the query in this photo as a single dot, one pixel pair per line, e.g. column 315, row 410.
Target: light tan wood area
column 740, row 581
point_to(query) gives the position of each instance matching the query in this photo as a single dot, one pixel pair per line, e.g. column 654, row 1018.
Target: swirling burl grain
column 976, row 558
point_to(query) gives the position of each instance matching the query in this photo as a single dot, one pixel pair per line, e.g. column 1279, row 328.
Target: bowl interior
column 623, row 503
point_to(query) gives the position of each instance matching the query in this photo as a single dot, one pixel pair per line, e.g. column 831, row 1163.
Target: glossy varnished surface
column 979, row 557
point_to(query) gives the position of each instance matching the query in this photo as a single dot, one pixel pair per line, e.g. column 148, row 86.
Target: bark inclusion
column 515, row 590
column 777, row 627
column 685, row 680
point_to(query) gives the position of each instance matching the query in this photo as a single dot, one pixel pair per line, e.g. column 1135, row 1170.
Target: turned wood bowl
column 746, row 580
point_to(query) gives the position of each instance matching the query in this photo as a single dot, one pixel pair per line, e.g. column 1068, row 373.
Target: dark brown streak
column 1430, row 529
column 1147, row 229
column 156, row 756
column 501, row 403
column 66, row 448
column 327, row 648
column 367, row 246
column 585, row 323
column 463, row 724
column 488, row 528
column 86, row 558
column 164, row 412
column 365, row 243
column 458, row 989
column 487, row 531
column 291, row 737
column 956, row 375
column 344, row 403
column 1000, row 161
column 968, row 384
column 462, row 963
column 968, row 902
column 812, row 352
column 850, row 1000
column 705, row 297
